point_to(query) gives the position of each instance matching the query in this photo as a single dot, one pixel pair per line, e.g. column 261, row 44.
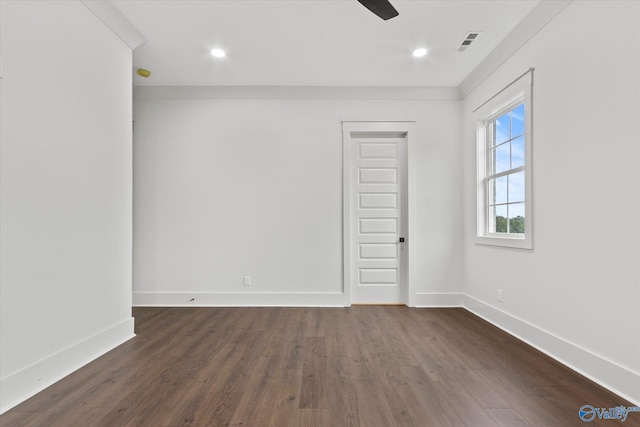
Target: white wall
column 65, row 213
column 576, row 295
column 232, row 187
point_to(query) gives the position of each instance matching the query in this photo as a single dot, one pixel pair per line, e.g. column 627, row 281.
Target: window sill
column 505, row 242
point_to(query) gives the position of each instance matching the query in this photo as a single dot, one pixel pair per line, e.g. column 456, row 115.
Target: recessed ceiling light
column 419, row 53
column 218, row 53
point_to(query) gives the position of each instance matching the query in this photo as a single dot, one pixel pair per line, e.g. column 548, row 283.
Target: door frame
column 355, row 128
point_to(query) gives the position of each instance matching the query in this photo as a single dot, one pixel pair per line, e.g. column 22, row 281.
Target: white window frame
column 518, row 92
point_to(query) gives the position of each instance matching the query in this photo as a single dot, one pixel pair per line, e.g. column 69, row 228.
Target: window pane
column 500, row 190
column 517, row 121
column 498, row 215
column 516, row 187
column 517, row 152
column 502, row 129
column 501, row 158
column 516, row 218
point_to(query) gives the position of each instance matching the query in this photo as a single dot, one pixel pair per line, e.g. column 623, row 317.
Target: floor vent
column 469, row 38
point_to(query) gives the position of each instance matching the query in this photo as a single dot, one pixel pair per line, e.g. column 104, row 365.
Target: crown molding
column 535, row 21
column 111, row 16
column 298, row 92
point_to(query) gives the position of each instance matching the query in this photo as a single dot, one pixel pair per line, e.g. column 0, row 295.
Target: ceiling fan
column 382, row 8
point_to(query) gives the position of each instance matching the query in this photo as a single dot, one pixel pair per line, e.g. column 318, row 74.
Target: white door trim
column 391, row 127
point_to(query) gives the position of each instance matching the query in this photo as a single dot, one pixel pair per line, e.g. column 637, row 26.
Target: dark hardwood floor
column 327, row 367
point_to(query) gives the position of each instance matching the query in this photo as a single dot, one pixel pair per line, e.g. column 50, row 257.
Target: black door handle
column 402, row 240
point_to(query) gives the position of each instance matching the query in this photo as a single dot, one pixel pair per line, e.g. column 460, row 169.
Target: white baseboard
column 19, row 386
column 238, row 299
column 618, row 379
column 274, row 299
column 437, row 300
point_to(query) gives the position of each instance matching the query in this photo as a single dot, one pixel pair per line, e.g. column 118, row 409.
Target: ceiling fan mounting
column 382, row 8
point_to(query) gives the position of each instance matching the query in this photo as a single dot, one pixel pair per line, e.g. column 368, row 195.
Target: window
column 504, row 168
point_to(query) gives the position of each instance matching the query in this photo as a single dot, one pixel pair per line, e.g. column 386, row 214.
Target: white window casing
column 517, row 93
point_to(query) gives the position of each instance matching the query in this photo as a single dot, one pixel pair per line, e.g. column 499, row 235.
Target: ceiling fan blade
column 382, row 8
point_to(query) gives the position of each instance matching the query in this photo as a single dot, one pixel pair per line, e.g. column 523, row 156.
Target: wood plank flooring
column 374, row 366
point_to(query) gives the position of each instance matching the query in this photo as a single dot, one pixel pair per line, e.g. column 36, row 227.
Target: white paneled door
column 377, row 216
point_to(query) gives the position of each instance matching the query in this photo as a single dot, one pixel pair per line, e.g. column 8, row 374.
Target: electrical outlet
column 246, row 281
column 499, row 295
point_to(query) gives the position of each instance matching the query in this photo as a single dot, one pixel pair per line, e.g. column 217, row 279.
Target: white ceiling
column 314, row 42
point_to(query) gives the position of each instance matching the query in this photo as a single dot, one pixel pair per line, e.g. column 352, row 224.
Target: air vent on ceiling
column 469, row 38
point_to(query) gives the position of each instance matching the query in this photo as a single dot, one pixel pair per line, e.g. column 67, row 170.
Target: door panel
column 378, row 150
column 378, row 176
column 378, row 251
column 378, row 225
column 378, row 276
column 378, row 201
